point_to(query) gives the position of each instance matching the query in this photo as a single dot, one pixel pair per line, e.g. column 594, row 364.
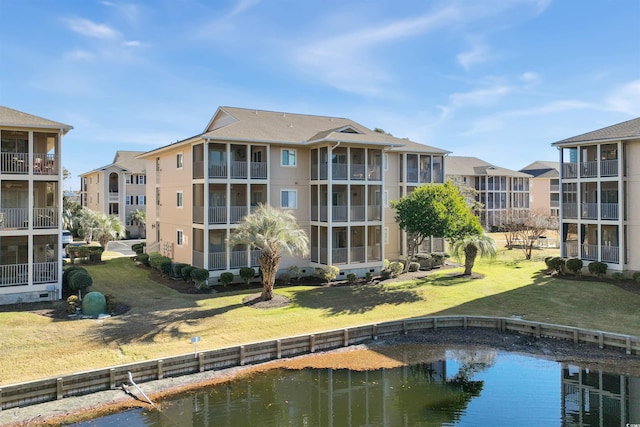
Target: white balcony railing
column 14, row 274
column 339, row 255
column 610, row 254
column 609, row 168
column 374, row 253
column 339, row 170
column 238, row 169
column 238, row 213
column 357, row 254
column 217, row 170
column 570, row 210
column 14, row 163
column 238, row 259
column 217, row 261
column 375, row 213
column 571, row 249
column 258, row 170
column 589, row 211
column 569, row 170
column 589, row 252
column 609, row 210
column 357, row 171
column 357, row 213
column 255, row 257
column 44, row 164
column 45, row 217
column 340, row 213
column 589, row 169
column 217, row 215
column 14, row 218
column 45, row 272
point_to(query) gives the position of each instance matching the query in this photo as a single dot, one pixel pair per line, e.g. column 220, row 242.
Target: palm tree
column 472, row 246
column 272, row 231
column 140, row 218
column 98, row 226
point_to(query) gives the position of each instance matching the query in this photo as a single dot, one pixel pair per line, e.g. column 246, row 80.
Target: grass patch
column 162, row 321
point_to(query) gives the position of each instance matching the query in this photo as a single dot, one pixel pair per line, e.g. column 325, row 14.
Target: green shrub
column 156, row 262
column 67, row 271
column 79, row 281
column 574, row 265
column 186, row 273
column 636, row 277
column 165, row 266
column 352, row 278
column 138, row 248
column 598, row 269
column 385, row 274
column 547, row 260
column 246, row 274
column 176, row 269
column 396, row 268
column 556, row 264
column 327, row 273
column 368, row 277
column 112, row 303
column 143, row 258
column 618, row 276
column 414, row 266
column 226, row 278
column 200, row 277
column 385, row 264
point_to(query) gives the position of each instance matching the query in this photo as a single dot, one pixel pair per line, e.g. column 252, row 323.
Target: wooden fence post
column 59, row 390
column 312, row 343
column 200, row 362
column 160, row 373
column 241, row 355
column 112, row 379
column 279, row 349
column 345, row 339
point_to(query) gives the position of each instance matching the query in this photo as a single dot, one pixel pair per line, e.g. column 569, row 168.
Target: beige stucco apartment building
column 30, row 201
column 544, row 187
column 502, row 192
column 600, row 196
column 117, row 189
column 337, row 176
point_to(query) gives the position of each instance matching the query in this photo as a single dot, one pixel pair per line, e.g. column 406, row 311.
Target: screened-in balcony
column 610, row 254
column 239, row 258
column 375, row 212
column 217, row 215
column 217, row 170
column 609, row 211
column 609, row 168
column 217, row 261
column 357, row 254
column 14, row 218
column 258, row 170
column 589, row 169
column 340, row 213
column 589, row 211
column 237, row 214
column 357, row 213
column 14, row 274
column 45, row 217
column 45, row 272
column 339, row 255
column 374, row 253
column 569, row 170
column 357, row 171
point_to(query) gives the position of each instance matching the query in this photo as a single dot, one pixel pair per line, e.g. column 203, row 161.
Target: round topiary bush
column 93, row 304
column 574, row 265
column 186, row 273
column 226, row 278
column 597, row 268
column 79, row 281
column 247, row 273
column 414, row 266
column 200, row 277
column 67, row 272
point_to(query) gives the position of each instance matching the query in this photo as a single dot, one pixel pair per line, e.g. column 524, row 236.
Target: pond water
column 462, row 388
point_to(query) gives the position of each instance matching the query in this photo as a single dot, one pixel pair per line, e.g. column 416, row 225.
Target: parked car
column 66, row 238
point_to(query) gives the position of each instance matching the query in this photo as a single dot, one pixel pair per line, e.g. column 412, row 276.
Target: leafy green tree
column 139, row 217
column 272, row 231
column 437, row 210
column 70, row 214
column 471, row 246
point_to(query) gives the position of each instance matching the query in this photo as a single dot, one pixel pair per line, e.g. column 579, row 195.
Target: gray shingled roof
column 299, row 129
column 14, row 118
column 621, row 131
column 125, row 160
column 473, row 166
column 542, row 169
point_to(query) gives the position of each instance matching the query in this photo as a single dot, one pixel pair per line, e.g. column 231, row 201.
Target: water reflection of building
column 596, row 398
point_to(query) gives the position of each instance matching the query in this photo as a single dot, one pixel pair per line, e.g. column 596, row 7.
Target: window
column 179, row 199
column 386, row 235
column 128, row 179
column 179, row 161
column 385, row 199
column 141, row 200
column 141, row 179
column 385, row 161
column 288, row 157
column 179, row 237
column 127, row 200
column 289, row 199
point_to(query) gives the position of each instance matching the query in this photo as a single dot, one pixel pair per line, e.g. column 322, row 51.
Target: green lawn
column 162, row 321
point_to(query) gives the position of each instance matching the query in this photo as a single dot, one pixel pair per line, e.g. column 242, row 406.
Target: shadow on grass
column 353, row 299
column 146, row 326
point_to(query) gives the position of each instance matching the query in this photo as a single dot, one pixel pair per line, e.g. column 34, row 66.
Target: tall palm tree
column 272, row 231
column 140, row 218
column 98, row 226
column 472, row 246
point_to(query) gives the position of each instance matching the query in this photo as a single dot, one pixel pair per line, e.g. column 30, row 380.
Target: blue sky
column 495, row 79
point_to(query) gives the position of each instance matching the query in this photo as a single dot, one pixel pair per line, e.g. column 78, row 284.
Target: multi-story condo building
column 336, row 175
column 600, row 196
column 503, row 193
column 544, row 187
column 117, row 189
column 30, row 201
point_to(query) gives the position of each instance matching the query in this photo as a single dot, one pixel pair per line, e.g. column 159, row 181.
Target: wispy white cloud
column 346, row 61
column 625, row 99
column 242, row 6
column 89, row 28
column 478, row 54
